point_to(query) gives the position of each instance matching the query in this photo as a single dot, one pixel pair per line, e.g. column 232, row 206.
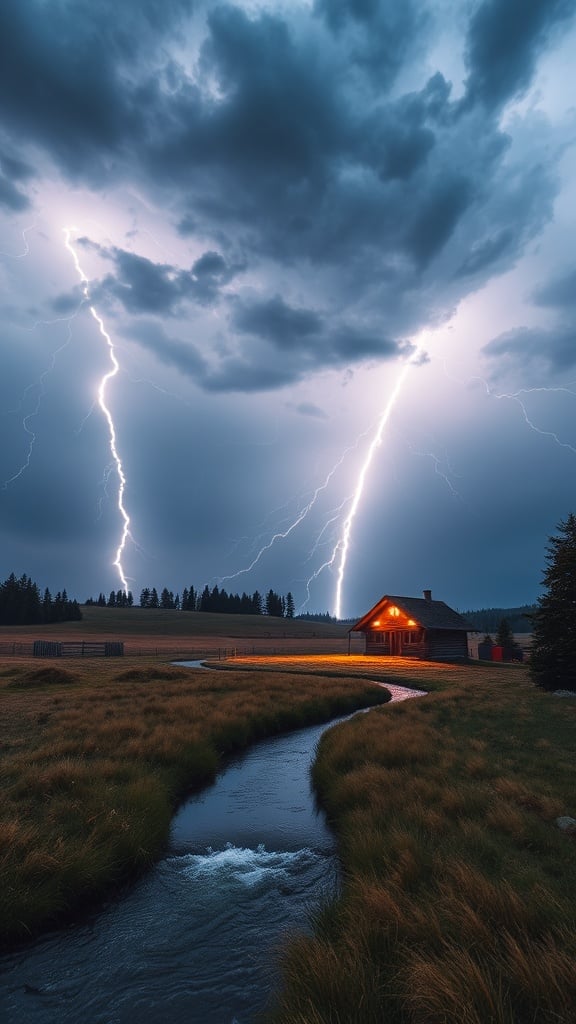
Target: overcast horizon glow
column 274, row 203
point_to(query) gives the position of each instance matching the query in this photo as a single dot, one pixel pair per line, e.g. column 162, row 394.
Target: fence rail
column 177, row 652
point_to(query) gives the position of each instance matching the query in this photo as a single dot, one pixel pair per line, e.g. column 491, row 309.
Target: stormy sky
column 279, row 211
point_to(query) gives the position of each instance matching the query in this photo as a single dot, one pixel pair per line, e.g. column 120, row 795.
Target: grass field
column 459, row 901
column 178, row 634
column 96, row 753
column 458, row 904
column 422, row 675
column 159, row 623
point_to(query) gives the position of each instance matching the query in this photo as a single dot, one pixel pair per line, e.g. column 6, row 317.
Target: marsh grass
column 96, row 756
column 458, row 902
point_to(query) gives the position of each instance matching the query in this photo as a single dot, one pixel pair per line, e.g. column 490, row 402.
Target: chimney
column 427, row 595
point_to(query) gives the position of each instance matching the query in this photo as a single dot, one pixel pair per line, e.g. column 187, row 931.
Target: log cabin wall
column 377, row 642
column 411, row 643
column 447, row 645
column 431, row 644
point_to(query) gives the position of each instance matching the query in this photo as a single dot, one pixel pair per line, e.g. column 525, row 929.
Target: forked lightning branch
column 102, row 389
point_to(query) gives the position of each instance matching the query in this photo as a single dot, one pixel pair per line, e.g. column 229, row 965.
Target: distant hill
column 487, row 620
column 119, row 623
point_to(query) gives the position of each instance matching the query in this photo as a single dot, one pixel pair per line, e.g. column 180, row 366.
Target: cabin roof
column 427, row 613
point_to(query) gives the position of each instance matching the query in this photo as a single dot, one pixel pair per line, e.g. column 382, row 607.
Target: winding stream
column 193, row 942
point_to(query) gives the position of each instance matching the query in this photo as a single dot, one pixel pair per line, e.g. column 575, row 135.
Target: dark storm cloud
column 271, row 135
column 233, row 374
column 210, row 272
column 303, row 171
column 275, row 321
column 171, row 351
column 143, row 286
column 437, row 216
column 13, row 171
column 286, row 143
column 238, row 375
column 505, row 38
column 66, row 305
column 11, row 196
column 485, row 252
column 312, row 340
column 64, row 75
column 544, row 350
column 559, row 293
column 380, row 33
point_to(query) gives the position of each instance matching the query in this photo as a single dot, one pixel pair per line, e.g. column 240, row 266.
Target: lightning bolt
column 26, row 252
column 439, row 468
column 41, row 385
column 300, row 516
column 343, row 545
column 514, row 396
column 341, row 548
column 102, row 389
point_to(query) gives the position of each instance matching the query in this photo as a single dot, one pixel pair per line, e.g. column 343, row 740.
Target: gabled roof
column 427, row 613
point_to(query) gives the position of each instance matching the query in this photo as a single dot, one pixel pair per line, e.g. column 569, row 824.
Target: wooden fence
column 77, row 649
column 178, row 652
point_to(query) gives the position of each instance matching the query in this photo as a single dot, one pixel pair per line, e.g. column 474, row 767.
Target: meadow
column 96, row 754
column 458, row 903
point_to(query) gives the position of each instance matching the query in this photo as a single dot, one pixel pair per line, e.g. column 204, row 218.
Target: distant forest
column 487, row 620
column 22, row 604
column 209, row 600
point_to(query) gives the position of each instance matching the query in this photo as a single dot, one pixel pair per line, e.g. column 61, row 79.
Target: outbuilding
column 414, row 627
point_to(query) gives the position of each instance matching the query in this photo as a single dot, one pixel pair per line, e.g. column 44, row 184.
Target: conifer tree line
column 219, row 600
column 211, row 600
column 116, row 599
column 22, row 604
column 207, row 600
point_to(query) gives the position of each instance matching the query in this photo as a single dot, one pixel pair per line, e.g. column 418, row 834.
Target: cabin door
column 395, row 643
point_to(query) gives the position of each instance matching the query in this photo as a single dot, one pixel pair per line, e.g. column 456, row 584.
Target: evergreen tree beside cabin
column 553, row 652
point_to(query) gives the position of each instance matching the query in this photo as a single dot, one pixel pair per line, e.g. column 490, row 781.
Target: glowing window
column 394, row 611
column 411, row 622
column 412, row 636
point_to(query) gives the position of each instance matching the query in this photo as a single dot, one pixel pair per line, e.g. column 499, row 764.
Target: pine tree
column 274, row 604
column 166, row 598
column 504, row 635
column 553, row 653
column 289, row 606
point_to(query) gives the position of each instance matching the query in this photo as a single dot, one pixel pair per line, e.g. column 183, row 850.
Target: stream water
column 194, row 941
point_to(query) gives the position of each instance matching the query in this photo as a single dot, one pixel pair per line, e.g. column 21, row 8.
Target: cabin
column 414, row 627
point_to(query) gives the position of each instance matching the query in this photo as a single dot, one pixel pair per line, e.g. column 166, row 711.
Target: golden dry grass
column 95, row 754
column 458, row 905
column 425, row 675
